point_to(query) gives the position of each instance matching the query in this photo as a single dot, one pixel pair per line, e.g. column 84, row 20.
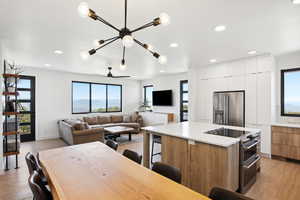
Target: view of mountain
column 82, row 105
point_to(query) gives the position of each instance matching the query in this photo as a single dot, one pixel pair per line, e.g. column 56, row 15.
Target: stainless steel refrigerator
column 229, row 108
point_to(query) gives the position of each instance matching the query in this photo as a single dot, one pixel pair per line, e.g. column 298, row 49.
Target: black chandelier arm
column 145, row 46
column 107, row 23
column 143, row 27
column 125, row 23
column 93, row 51
column 110, row 39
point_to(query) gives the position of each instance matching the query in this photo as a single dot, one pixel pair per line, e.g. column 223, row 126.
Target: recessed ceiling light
column 162, row 71
column 296, row 1
column 252, row 52
column 174, row 45
column 220, row 28
column 47, row 65
column 212, row 60
column 58, row 52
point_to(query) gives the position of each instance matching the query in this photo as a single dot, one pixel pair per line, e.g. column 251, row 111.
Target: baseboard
column 47, row 138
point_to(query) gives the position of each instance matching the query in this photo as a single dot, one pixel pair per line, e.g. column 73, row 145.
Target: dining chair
column 222, row 194
column 33, row 165
column 134, row 156
column 168, row 171
column 39, row 190
column 112, row 144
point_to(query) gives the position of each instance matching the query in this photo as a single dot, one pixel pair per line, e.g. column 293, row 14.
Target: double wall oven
column 249, row 155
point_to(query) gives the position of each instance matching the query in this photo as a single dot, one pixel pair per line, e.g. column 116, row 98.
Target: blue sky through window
column 292, row 92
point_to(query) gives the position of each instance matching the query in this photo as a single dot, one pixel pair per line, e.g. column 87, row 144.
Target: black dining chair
column 33, row 165
column 168, row 171
column 222, row 194
column 39, row 190
column 112, row 144
column 134, row 156
column 156, row 139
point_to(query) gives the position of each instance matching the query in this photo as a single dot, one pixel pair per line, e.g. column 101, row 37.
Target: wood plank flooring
column 278, row 180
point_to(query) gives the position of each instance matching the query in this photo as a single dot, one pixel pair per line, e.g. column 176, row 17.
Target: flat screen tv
column 162, row 98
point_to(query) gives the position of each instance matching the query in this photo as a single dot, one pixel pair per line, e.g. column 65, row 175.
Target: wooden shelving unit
column 11, row 141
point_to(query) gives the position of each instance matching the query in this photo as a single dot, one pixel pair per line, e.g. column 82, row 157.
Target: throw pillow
column 116, row 118
column 103, row 120
column 127, row 118
column 90, row 120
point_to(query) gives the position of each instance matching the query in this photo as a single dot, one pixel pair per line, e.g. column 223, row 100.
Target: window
column 184, row 100
column 96, row 97
column 290, row 92
column 148, row 95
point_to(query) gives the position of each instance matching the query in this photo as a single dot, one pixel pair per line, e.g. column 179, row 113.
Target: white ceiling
column 31, row 30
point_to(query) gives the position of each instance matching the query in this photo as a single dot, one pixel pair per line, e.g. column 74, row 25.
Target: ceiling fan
column 110, row 75
column 125, row 34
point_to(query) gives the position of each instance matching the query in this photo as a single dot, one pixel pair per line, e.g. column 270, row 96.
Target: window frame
column 145, row 88
column 282, row 92
column 182, row 82
column 90, row 97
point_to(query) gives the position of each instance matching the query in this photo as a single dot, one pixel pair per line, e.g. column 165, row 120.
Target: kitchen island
column 205, row 160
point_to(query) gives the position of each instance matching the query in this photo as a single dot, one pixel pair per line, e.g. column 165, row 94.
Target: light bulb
column 84, row 55
column 164, row 19
column 123, row 66
column 96, row 43
column 127, row 41
column 296, row 1
column 162, row 60
column 83, row 9
column 150, row 47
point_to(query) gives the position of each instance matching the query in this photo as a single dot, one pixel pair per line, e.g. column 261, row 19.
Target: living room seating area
column 91, row 129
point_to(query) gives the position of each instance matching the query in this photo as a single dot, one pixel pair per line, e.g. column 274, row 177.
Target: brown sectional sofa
column 91, row 129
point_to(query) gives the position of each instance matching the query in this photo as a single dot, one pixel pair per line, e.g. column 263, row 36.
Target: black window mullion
column 90, row 98
column 106, row 97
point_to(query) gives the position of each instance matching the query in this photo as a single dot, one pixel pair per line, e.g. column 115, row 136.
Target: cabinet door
column 236, row 83
column 264, row 98
column 250, row 99
column 251, row 65
column 265, row 64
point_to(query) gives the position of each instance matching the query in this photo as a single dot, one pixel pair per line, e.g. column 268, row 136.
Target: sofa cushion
column 116, row 118
column 132, row 125
column 103, row 120
column 127, row 118
column 80, row 126
column 134, row 117
column 90, row 120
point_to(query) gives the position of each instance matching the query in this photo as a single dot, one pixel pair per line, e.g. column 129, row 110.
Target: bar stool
column 155, row 139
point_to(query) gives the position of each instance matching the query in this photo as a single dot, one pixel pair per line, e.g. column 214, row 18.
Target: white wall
column 286, row 61
column 167, row 82
column 53, row 97
column 254, row 75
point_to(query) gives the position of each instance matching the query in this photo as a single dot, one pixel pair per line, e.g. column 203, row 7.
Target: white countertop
column 195, row 131
column 290, row 125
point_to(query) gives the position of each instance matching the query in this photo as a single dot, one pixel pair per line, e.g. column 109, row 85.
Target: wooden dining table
column 93, row 171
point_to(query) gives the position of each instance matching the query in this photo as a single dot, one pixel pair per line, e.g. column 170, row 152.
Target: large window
column 290, row 92
column 148, row 95
column 184, row 100
column 96, row 97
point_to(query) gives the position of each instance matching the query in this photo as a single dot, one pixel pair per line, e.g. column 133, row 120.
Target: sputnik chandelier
column 124, row 34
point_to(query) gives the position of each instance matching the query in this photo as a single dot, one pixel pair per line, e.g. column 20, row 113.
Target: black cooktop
column 227, row 132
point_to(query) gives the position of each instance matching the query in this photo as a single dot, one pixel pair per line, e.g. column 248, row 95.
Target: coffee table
column 116, row 131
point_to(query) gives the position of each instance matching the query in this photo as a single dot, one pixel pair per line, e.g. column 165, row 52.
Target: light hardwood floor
column 278, row 180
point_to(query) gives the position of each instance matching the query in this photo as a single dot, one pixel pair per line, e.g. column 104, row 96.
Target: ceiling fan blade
column 120, row 76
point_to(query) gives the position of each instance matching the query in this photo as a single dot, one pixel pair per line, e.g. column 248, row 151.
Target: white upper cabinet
column 251, row 99
column 265, row 64
column 251, row 65
column 236, row 83
column 238, row 68
column 264, row 98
